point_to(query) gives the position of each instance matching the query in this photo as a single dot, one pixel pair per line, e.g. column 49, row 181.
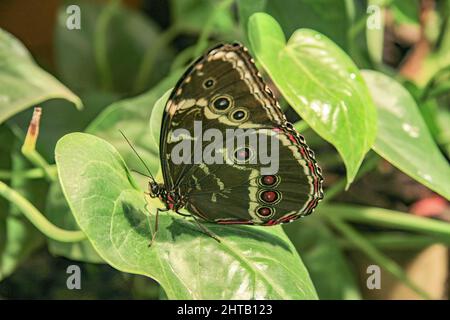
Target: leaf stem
column 373, row 253
column 35, row 173
column 394, row 241
column 40, row 162
column 357, row 27
column 38, row 219
column 182, row 58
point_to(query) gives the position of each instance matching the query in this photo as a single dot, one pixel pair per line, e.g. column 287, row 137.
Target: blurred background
column 147, row 40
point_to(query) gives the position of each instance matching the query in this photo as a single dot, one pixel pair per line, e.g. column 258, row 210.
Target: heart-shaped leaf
column 321, row 83
column 22, row 82
column 403, row 137
column 249, row 263
column 130, row 116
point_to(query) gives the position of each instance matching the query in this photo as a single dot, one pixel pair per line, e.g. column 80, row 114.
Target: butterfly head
column 155, row 189
column 172, row 199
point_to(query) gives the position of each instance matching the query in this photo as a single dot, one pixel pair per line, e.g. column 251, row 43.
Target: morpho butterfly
column 224, row 90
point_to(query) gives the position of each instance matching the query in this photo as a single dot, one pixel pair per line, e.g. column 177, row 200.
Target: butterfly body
column 172, row 199
column 224, row 92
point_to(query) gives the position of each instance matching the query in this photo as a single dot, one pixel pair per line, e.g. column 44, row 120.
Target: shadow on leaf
column 137, row 219
column 177, row 227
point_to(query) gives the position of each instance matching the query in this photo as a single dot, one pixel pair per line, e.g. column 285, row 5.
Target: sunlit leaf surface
column 22, row 82
column 403, row 138
column 321, row 83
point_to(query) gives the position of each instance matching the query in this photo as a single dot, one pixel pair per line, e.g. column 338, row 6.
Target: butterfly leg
column 156, row 226
column 205, row 230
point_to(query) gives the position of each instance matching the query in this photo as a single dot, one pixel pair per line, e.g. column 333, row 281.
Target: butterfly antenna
column 137, row 154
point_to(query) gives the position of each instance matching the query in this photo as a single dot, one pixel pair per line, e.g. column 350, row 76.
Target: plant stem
column 35, row 173
column 34, row 157
column 389, row 219
column 29, row 146
column 378, row 257
column 357, row 27
column 394, row 241
column 38, row 219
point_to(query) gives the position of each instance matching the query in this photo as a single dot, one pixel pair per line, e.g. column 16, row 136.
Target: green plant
column 346, row 98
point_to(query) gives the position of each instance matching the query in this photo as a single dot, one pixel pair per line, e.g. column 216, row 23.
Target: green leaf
column 443, row 120
column 130, row 116
column 68, row 119
column 21, row 239
column 403, row 137
column 156, row 119
column 18, row 237
column 329, row 17
column 58, row 212
column 248, row 7
column 57, row 209
column 22, row 82
column 190, row 15
column 330, row 272
column 249, row 263
column 406, row 12
column 321, row 83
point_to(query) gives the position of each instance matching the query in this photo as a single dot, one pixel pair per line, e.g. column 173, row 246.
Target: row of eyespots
column 223, row 103
column 268, row 196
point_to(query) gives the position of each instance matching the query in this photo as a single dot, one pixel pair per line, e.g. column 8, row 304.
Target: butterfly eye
column 239, row 115
column 208, row 83
column 265, row 212
column 222, row 103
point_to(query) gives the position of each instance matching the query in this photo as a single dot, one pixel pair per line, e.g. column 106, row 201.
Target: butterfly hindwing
column 242, row 194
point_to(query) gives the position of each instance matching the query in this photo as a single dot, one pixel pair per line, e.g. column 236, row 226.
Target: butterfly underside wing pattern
column 223, row 90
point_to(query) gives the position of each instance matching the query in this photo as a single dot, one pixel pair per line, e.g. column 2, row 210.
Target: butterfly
column 224, row 90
